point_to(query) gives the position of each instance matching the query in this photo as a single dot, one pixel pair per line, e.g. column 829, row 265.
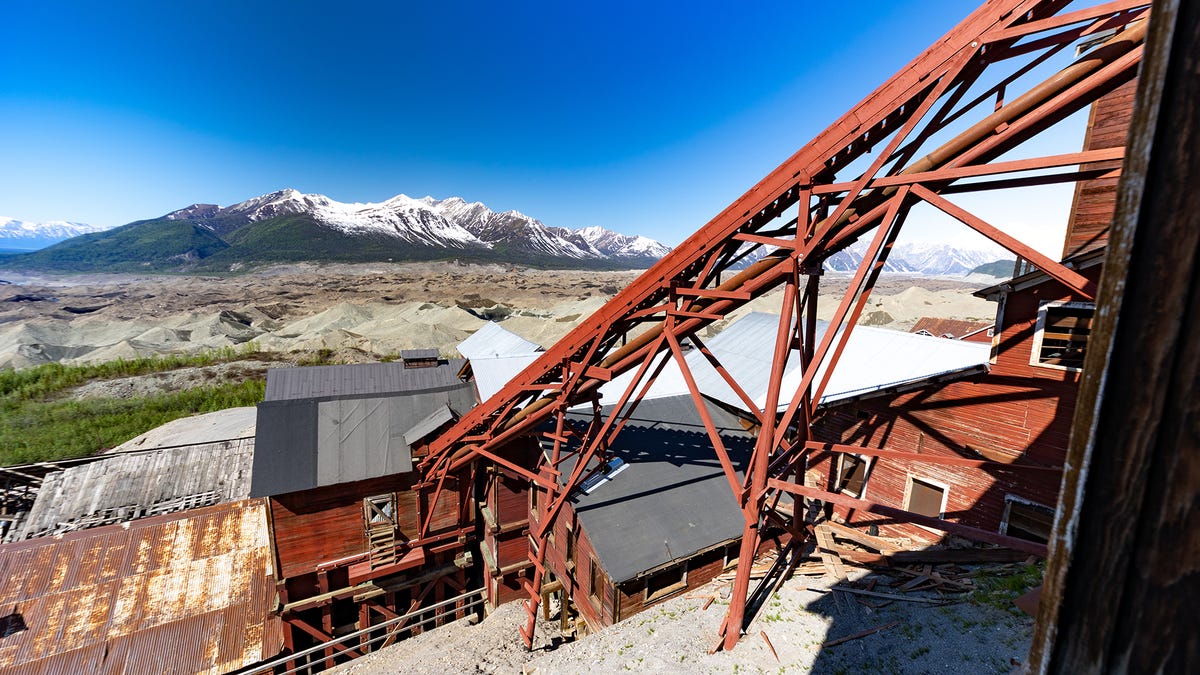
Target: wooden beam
column 901, row 515
column 1124, row 575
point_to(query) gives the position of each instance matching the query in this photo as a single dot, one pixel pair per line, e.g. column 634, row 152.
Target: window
column 596, row 583
column 1026, row 520
column 533, row 500
column 570, row 548
column 1061, row 339
column 732, row 551
column 852, row 475
column 925, row 497
column 666, row 582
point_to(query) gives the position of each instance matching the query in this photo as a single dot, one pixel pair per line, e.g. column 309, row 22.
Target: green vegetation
column 999, row 591
column 32, row 431
column 41, row 382
column 36, row 424
column 148, row 245
column 997, row 268
column 214, row 246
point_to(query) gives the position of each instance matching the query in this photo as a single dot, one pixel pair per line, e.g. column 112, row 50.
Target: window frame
column 1009, row 500
column 867, row 466
column 908, row 483
column 669, row 589
column 1044, row 307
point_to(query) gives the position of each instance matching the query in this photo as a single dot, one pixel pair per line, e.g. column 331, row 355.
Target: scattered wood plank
column 875, row 594
column 878, row 543
column 769, row 645
column 860, row 634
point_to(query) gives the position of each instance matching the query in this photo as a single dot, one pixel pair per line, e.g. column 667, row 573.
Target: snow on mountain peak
column 30, row 236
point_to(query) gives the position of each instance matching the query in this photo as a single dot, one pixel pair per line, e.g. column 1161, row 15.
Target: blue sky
column 642, row 117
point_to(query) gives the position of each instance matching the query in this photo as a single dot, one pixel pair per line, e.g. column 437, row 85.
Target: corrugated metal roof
column 183, row 593
column 874, row 359
column 494, row 340
column 131, row 485
column 673, row 499
column 441, row 415
column 365, row 379
column 493, row 372
column 948, row 328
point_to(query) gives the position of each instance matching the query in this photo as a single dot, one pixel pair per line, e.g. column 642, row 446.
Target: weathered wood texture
column 575, row 571
column 326, row 523
column 137, row 484
column 1016, row 413
column 1130, row 500
column 702, row 569
column 1092, row 211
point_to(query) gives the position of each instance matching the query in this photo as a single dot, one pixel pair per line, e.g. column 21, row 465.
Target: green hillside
column 185, row 246
column 998, row 268
column 147, row 245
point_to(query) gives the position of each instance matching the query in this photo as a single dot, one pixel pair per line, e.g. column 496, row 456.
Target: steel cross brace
column 684, row 292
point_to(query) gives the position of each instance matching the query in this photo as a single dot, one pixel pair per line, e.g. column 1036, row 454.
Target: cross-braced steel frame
column 944, row 124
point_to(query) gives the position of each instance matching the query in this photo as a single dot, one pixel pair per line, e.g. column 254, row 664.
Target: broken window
column 1027, row 520
column 1063, row 329
column 925, row 497
column 852, row 475
column 666, row 582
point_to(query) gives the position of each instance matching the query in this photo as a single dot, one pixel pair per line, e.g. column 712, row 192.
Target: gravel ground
column 676, row 636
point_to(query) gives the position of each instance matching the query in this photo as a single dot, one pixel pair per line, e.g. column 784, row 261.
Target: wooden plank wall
column 1095, row 200
column 326, row 523
column 1017, row 412
column 701, row 570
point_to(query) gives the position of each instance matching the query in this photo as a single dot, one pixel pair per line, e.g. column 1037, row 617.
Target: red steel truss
column 857, row 179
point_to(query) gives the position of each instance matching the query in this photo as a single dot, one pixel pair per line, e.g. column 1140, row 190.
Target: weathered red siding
column 1017, row 412
column 1095, row 200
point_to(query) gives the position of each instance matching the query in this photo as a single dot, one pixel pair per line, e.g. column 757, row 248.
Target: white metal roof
column 493, row 372
column 494, row 340
column 874, row 359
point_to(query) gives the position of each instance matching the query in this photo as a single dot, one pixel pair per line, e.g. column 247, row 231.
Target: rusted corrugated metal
column 181, row 593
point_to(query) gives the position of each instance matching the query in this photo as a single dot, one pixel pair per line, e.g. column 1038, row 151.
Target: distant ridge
column 289, row 226
column 23, row 235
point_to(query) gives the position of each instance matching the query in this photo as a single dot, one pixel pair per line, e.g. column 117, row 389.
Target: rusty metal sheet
column 188, row 592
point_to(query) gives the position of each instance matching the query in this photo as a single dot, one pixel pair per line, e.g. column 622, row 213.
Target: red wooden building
column 1018, row 413
column 334, row 459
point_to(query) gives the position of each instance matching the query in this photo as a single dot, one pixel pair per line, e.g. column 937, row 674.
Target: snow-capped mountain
column 614, row 244
column 927, row 258
column 452, row 223
column 25, row 235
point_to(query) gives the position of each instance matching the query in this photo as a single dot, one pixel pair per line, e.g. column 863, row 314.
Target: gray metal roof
column 673, row 499
column 434, row 420
column 354, row 434
column 494, row 340
column 285, row 384
column 408, row 354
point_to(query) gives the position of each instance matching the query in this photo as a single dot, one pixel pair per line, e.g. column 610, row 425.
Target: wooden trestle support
column 970, row 74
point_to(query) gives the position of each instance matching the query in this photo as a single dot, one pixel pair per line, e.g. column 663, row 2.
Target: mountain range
column 918, row 257
column 289, row 226
column 28, row 236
